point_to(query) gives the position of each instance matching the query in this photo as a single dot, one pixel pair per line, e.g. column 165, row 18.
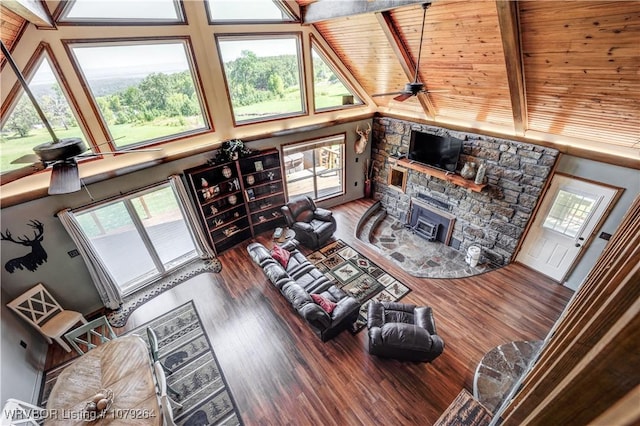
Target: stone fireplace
column 493, row 218
column 430, row 223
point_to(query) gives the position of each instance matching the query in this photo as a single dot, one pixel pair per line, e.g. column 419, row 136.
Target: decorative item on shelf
column 204, row 183
column 271, row 175
column 218, row 221
column 232, row 199
column 265, row 205
column 231, row 230
column 361, row 143
column 259, row 166
column 251, row 180
column 234, row 185
column 261, row 218
column 468, row 170
column 98, row 405
column 480, row 174
column 232, row 150
column 236, row 214
column 250, row 194
column 273, row 188
column 226, row 172
column 214, row 210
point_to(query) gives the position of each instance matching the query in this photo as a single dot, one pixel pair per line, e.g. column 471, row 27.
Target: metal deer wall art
column 29, row 261
column 361, row 143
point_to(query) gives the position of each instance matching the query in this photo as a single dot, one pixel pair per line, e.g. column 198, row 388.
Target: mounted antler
column 361, row 143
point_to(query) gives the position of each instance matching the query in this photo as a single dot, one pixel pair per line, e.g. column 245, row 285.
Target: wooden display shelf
column 441, row 174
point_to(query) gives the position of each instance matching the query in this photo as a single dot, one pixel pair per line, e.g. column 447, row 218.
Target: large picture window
column 247, row 11
column 315, row 168
column 139, row 237
column 145, row 91
column 263, row 76
column 119, row 12
column 21, row 129
column 329, row 89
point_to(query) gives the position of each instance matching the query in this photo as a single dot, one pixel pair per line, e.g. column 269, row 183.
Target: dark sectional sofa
column 298, row 281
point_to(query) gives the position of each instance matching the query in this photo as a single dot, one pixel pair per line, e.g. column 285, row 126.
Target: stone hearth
column 420, row 258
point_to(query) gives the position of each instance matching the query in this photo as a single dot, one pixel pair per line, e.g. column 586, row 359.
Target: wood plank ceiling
column 579, row 67
column 11, row 26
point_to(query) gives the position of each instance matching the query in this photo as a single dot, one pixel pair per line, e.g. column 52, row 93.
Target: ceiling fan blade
column 124, row 151
column 403, row 97
column 65, row 178
column 386, row 94
column 436, row 91
column 27, row 158
column 12, row 175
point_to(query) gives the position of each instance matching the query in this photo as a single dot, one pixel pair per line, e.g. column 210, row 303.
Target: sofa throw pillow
column 281, row 255
column 324, row 303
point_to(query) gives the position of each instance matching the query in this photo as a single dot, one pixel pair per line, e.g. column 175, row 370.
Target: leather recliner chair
column 313, row 225
column 403, row 331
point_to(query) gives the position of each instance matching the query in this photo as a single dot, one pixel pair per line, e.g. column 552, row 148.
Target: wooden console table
column 440, row 174
column 122, row 365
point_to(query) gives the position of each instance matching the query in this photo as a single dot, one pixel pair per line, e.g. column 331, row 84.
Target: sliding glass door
column 139, row 237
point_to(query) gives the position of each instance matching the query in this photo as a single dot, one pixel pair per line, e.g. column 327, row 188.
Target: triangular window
column 248, row 11
column 329, row 88
column 123, row 11
column 21, row 128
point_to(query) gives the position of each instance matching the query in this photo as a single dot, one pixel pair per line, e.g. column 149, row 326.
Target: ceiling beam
column 406, row 61
column 323, row 10
column 31, row 10
column 510, row 33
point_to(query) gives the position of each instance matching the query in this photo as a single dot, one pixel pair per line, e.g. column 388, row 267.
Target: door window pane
column 315, row 169
column 569, row 212
column 23, row 129
column 162, row 219
column 145, row 92
column 263, row 76
column 118, row 243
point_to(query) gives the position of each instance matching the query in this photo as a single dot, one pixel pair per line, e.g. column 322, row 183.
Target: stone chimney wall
column 495, row 218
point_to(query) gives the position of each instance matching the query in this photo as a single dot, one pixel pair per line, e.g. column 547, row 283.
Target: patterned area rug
column 358, row 276
column 119, row 317
column 186, row 350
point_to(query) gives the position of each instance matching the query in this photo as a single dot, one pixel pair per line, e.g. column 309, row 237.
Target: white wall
column 622, row 177
column 20, row 368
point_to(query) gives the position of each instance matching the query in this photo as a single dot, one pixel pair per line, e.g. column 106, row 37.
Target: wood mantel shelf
column 441, row 174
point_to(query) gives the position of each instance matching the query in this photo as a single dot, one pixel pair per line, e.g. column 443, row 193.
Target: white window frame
column 140, row 282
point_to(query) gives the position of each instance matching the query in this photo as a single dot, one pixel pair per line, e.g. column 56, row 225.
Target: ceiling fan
column 414, row 88
column 61, row 154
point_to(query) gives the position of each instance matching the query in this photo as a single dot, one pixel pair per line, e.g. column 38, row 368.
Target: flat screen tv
column 441, row 152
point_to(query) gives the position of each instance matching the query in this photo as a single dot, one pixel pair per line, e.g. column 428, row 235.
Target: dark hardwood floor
column 280, row 373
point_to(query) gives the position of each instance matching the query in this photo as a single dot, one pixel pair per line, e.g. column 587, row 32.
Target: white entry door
column 569, row 213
